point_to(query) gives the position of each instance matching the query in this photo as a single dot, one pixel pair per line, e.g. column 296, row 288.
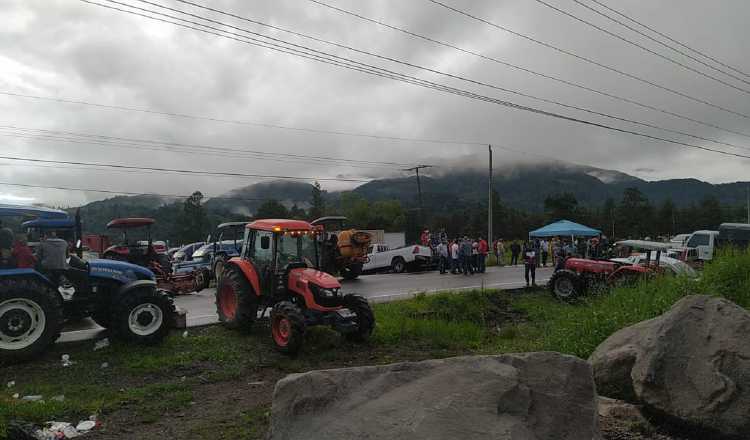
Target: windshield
column 297, row 248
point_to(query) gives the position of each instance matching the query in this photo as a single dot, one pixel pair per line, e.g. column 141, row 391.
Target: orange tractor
column 278, row 269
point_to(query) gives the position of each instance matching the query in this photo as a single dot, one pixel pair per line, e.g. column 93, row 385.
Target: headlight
column 323, row 292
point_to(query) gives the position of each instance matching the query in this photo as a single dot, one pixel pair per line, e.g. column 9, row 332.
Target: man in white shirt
column 454, row 257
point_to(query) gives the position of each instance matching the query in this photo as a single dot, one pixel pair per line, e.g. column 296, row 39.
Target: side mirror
column 265, row 242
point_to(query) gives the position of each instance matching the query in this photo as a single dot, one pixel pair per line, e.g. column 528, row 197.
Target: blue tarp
column 33, row 211
column 565, row 228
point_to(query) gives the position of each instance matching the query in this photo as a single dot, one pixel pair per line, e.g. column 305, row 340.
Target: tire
column 364, row 318
column 565, row 285
column 236, row 302
column 219, row 268
column 352, row 271
column 398, row 265
column 102, row 317
column 143, row 316
column 31, row 318
column 287, row 327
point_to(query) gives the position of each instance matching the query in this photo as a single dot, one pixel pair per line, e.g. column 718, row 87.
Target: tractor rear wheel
column 31, row 317
column 220, row 266
column 363, row 317
column 236, row 302
column 287, row 327
column 565, row 285
column 143, row 316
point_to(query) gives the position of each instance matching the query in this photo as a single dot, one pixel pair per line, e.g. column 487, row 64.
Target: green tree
column 634, row 215
column 317, row 203
column 357, row 210
column 709, row 213
column 194, row 218
column 271, row 209
column 666, row 218
column 561, row 206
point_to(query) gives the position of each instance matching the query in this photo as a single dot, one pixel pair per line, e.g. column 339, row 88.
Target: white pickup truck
column 382, row 258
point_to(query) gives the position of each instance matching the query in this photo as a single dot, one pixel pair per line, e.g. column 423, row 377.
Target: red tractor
column 581, row 276
column 145, row 254
column 278, row 269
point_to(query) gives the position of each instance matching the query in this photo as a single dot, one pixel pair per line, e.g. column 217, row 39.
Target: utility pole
column 748, row 203
column 419, row 190
column 489, row 200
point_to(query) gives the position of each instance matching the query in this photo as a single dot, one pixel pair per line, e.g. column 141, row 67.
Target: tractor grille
column 326, row 297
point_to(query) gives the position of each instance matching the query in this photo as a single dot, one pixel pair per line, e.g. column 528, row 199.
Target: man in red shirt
column 22, row 253
column 483, row 250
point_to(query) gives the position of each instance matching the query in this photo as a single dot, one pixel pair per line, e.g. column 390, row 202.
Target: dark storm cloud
column 70, row 49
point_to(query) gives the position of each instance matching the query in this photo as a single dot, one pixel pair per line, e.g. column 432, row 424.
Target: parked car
column 381, row 257
column 159, row 246
column 185, row 253
column 226, row 242
column 672, row 265
column 703, row 242
column 678, row 241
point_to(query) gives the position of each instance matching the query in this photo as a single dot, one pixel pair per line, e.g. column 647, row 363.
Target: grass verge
column 222, row 381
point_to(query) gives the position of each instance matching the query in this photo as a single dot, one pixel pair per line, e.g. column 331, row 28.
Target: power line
column 157, row 145
column 670, row 38
column 643, row 34
column 642, row 47
column 588, row 60
column 178, row 171
column 409, row 79
column 394, row 60
column 127, row 193
column 530, row 71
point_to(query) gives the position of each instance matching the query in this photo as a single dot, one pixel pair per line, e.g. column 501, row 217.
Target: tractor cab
column 277, row 247
column 136, row 245
column 279, row 269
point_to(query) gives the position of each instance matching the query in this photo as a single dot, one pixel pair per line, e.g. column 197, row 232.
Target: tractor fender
column 249, row 271
column 133, row 285
column 628, row 270
column 26, row 274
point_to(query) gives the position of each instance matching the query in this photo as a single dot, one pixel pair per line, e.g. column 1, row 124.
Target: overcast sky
column 73, row 50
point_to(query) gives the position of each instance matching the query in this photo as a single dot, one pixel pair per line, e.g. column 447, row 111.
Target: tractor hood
column 595, row 266
column 119, row 271
column 299, row 277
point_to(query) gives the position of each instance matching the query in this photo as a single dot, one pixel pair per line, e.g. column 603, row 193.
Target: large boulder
column 535, row 396
column 691, row 365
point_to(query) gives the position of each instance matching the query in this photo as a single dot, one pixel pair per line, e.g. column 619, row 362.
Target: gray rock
column 691, row 364
column 535, row 396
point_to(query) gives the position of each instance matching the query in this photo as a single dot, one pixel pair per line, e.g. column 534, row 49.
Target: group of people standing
column 463, row 255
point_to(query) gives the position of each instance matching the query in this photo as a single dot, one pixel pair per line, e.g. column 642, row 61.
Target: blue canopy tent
column 565, row 228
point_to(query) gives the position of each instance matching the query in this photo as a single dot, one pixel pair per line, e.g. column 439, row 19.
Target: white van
column 704, row 243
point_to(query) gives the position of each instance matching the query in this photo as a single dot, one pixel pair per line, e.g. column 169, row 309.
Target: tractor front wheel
column 31, row 317
column 236, row 302
column 143, row 316
column 352, row 271
column 364, row 318
column 565, row 285
column 287, row 327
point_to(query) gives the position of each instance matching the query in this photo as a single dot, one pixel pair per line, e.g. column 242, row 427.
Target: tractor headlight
column 323, row 292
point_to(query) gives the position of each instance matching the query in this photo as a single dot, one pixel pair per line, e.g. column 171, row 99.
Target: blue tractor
column 35, row 302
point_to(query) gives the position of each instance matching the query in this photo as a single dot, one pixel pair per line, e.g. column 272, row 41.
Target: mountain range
column 523, row 187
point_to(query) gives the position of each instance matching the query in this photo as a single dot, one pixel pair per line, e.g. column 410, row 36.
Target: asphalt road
column 377, row 288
